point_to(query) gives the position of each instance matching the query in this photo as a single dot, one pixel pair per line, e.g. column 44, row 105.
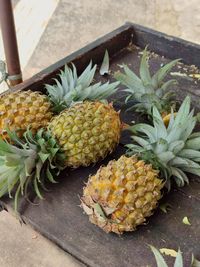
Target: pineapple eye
column 149, row 196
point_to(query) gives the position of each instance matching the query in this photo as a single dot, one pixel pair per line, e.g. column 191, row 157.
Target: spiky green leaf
column 144, row 69
column 105, row 64
column 159, row 258
column 179, row 260
column 158, row 77
column 25, row 163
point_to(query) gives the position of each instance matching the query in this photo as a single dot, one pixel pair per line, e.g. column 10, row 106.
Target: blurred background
column 48, row 30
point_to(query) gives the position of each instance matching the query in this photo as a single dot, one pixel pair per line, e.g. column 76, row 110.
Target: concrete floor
column 77, row 23
column 20, row 246
column 73, row 25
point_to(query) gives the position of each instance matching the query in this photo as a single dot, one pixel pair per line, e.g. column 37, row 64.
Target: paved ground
column 20, row 246
column 76, row 23
column 73, row 25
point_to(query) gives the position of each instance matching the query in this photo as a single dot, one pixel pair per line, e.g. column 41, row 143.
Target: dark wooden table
column 59, row 216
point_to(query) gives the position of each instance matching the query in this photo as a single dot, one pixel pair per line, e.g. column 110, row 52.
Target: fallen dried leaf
column 186, row 221
column 169, row 252
column 195, row 76
column 178, row 74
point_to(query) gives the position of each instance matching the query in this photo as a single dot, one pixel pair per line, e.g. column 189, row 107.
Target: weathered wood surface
column 59, row 216
column 166, row 45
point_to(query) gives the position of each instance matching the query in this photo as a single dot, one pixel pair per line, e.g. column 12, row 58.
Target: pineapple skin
column 127, row 191
column 86, row 132
column 23, row 109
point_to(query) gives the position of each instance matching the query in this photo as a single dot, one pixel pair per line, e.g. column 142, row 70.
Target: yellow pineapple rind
column 166, row 118
column 86, row 132
column 23, row 109
column 127, row 190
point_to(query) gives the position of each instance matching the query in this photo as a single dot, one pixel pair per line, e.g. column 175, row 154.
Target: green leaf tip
column 104, row 69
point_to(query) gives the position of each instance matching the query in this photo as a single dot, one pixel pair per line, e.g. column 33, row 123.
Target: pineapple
column 166, row 118
column 121, row 195
column 87, row 132
column 78, row 136
column 20, row 109
column 23, row 109
column 147, row 91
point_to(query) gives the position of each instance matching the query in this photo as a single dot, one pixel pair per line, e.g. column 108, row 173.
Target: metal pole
column 10, row 42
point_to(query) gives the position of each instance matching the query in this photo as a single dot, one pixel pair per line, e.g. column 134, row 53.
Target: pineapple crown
column 25, row 163
column 147, row 91
column 72, row 89
column 160, row 261
column 174, row 149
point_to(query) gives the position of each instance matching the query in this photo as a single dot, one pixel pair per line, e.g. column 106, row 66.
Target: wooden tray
column 59, row 216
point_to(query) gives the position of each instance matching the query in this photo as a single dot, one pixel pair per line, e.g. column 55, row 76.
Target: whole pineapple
column 23, row 109
column 86, row 132
column 120, row 196
column 147, row 91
